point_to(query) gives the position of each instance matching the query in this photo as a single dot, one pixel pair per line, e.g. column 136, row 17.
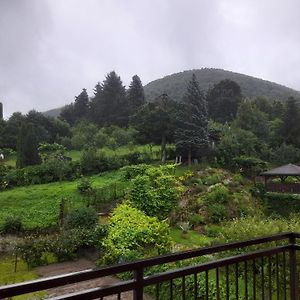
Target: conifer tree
column 192, row 131
column 114, row 108
column 81, row 105
column 135, row 95
column 96, row 104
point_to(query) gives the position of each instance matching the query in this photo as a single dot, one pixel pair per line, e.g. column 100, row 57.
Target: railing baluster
column 217, row 284
column 262, row 278
column 206, row 285
column 270, row 277
column 254, row 278
column 227, row 281
column 157, row 291
column 237, row 281
column 171, row 289
column 246, row 280
column 284, row 275
column 183, row 288
column 277, row 277
column 119, row 296
column 195, row 286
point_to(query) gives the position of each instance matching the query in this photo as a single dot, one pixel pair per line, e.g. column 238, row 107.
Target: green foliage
column 84, row 217
column 196, row 220
column 223, row 100
column 155, row 192
column 252, row 227
column 251, row 87
column 84, row 186
column 36, row 250
column 285, row 154
column 39, row 205
column 250, row 166
column 192, row 130
column 135, row 95
column 27, row 148
column 282, row 204
column 133, row 235
column 12, row 225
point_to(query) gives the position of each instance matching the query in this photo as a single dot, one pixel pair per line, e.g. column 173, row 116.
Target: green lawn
column 38, row 205
column 9, row 276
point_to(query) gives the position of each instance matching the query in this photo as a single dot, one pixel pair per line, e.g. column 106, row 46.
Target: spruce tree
column 27, row 146
column 96, row 104
column 114, row 103
column 135, row 95
column 192, row 131
column 81, row 105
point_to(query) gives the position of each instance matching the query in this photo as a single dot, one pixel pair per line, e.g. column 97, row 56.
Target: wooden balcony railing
column 231, row 271
column 291, row 188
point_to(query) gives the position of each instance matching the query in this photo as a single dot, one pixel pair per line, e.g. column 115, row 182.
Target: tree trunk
column 190, row 156
column 163, row 148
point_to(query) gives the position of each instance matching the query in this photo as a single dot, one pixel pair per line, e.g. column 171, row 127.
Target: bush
column 12, row 225
column 196, row 220
column 133, row 235
column 84, row 186
column 84, row 217
column 156, row 192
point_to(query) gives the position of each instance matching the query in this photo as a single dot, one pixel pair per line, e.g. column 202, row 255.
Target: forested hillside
column 174, row 85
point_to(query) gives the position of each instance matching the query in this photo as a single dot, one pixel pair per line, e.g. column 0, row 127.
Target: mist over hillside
column 175, row 85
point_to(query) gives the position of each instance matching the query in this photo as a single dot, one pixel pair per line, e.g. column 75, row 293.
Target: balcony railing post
column 139, row 278
column 294, row 290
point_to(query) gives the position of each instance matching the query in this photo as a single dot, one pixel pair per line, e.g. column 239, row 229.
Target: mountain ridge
column 175, row 85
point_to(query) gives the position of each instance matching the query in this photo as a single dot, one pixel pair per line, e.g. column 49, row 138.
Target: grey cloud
column 50, row 49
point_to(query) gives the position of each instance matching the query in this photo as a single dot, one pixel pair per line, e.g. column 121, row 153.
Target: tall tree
column 192, row 131
column 135, row 95
column 27, row 146
column 114, row 108
column 96, row 104
column 291, row 122
column 156, row 122
column 81, row 105
column 223, row 100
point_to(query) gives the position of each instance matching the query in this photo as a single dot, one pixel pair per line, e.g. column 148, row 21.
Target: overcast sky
column 51, row 49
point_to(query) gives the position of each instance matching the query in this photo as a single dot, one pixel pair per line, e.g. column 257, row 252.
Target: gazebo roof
column 286, row 170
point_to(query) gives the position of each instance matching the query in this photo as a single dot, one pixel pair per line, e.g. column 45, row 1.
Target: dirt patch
column 75, row 266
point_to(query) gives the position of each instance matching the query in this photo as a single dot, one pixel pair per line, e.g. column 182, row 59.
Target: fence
column 232, row 271
column 292, row 188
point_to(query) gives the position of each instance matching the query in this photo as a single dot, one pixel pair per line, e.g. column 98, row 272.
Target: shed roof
column 286, row 170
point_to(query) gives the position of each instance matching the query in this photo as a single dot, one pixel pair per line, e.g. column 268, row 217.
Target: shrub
column 84, row 186
column 133, row 235
column 84, row 217
column 155, row 193
column 12, row 225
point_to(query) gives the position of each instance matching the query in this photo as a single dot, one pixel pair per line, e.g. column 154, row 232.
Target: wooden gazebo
column 282, row 172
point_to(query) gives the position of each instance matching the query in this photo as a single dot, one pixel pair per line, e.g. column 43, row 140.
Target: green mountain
column 175, row 85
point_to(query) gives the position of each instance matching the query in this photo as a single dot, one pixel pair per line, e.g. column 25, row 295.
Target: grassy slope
column 38, row 205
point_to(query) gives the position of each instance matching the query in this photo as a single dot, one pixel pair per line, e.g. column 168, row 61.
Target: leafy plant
column 133, row 235
column 84, row 217
column 12, row 225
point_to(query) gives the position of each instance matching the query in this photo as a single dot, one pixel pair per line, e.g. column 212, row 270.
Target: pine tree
column 96, row 104
column 81, row 105
column 114, row 108
column 135, row 95
column 27, row 147
column 192, row 131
